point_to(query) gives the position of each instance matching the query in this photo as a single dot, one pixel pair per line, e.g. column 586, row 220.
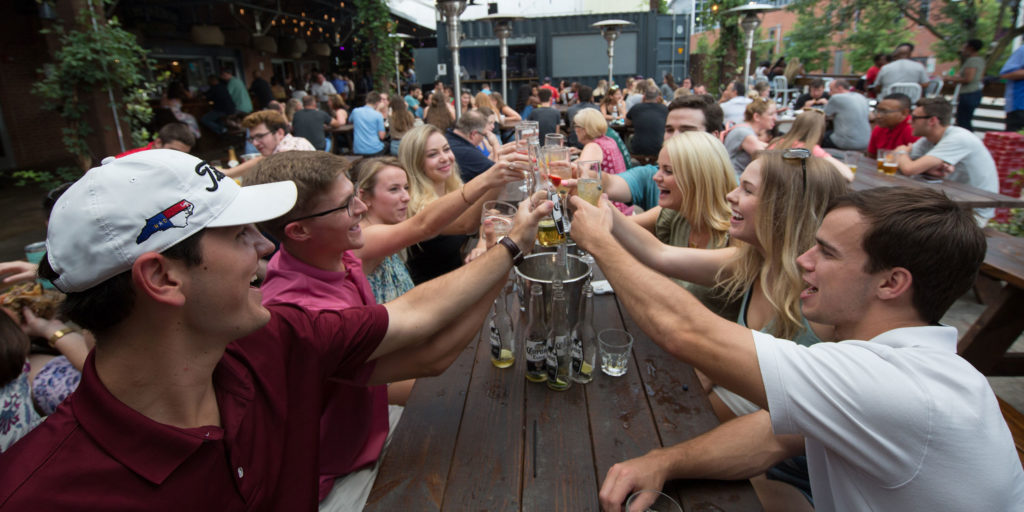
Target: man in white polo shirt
column 890, row 419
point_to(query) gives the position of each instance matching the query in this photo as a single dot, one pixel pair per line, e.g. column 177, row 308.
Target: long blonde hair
column 787, row 220
column 808, row 128
column 411, row 153
column 701, row 168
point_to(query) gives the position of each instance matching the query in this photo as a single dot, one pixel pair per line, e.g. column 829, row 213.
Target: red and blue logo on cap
column 175, row 216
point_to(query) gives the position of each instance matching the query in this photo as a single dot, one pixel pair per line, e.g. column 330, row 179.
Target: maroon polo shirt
column 97, row 453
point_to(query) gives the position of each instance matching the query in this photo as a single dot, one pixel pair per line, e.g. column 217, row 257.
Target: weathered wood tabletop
column 482, row 438
column 961, row 193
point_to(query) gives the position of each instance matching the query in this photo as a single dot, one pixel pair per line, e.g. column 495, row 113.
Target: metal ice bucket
column 540, row 269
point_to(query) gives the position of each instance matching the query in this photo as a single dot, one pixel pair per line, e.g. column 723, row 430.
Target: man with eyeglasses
column 892, row 124
column 948, row 152
column 315, row 269
column 268, row 133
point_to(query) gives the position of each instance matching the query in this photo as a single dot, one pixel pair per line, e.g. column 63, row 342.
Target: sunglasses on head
column 801, row 154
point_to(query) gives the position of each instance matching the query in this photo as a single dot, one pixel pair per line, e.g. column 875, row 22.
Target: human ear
column 159, row 278
column 296, row 231
column 898, row 282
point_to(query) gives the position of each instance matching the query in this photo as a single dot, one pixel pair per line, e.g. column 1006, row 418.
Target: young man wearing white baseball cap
column 157, row 252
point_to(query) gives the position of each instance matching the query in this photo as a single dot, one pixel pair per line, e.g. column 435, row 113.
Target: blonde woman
column 383, row 185
column 601, row 90
column 339, row 108
column 503, row 109
column 694, row 176
column 591, row 131
column 742, row 140
column 776, row 210
column 427, row 157
column 807, row 131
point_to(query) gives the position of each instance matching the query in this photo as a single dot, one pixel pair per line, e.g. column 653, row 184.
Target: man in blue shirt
column 688, row 113
column 1013, row 71
column 368, row 130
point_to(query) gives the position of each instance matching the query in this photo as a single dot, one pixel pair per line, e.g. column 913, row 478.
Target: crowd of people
column 260, row 341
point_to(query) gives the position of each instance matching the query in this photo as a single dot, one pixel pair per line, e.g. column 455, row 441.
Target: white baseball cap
column 147, row 202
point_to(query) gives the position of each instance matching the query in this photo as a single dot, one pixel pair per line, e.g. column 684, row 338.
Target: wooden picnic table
column 961, row 193
column 986, row 343
column 482, row 438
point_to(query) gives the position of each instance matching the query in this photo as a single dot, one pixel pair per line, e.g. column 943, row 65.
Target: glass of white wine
column 588, row 184
column 501, row 215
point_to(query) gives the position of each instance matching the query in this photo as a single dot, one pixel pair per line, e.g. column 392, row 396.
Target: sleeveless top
column 673, row 229
column 805, row 336
column 612, row 163
column 390, row 279
column 431, row 258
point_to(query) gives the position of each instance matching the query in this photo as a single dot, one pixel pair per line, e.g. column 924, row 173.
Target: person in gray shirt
column 901, row 70
column 949, row 152
column 849, row 113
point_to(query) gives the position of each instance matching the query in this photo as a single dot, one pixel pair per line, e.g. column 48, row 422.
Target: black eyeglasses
column 347, row 207
column 801, row 154
column 255, row 136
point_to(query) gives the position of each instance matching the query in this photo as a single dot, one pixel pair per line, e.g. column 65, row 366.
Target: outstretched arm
column 697, row 266
column 443, row 303
column 669, row 314
column 382, row 240
column 738, row 449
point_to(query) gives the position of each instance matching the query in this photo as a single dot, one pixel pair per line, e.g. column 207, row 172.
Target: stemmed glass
column 556, row 164
column 527, row 137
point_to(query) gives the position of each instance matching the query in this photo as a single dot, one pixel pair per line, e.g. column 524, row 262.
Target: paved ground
column 24, row 224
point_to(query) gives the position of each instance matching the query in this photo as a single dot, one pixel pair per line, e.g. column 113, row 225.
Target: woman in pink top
column 590, row 128
column 807, row 131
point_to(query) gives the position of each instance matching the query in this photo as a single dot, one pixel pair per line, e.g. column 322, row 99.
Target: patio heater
column 450, row 11
column 611, row 29
column 401, row 42
column 502, row 24
column 751, row 20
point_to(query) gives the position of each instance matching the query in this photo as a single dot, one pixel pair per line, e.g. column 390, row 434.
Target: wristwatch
column 513, row 250
column 58, row 334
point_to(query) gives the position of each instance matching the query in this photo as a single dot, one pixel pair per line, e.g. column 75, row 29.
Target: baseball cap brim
column 258, row 203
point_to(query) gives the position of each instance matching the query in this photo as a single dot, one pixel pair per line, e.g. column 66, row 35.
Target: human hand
column 36, row 326
column 17, row 272
column 531, row 211
column 502, row 172
column 904, row 149
column 628, row 477
column 487, row 236
column 589, row 222
column 940, row 171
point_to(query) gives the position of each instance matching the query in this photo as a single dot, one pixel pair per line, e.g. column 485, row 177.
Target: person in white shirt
column 734, row 103
column 890, row 419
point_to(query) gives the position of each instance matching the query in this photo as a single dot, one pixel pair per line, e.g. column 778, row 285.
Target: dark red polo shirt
column 891, row 138
column 97, row 453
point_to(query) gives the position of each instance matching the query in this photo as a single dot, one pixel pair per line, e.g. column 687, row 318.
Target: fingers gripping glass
column 802, row 155
column 347, row 207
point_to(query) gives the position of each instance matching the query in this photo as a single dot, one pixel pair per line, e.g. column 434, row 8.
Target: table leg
column 988, row 339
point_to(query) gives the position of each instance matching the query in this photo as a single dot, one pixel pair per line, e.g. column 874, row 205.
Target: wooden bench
column 1014, row 420
column 986, row 343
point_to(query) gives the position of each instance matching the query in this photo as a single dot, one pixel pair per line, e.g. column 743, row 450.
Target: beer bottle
column 502, row 342
column 584, row 340
column 536, row 336
column 558, row 362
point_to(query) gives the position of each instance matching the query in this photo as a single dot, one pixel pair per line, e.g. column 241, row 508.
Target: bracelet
column 462, row 191
column 58, row 334
column 513, row 249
